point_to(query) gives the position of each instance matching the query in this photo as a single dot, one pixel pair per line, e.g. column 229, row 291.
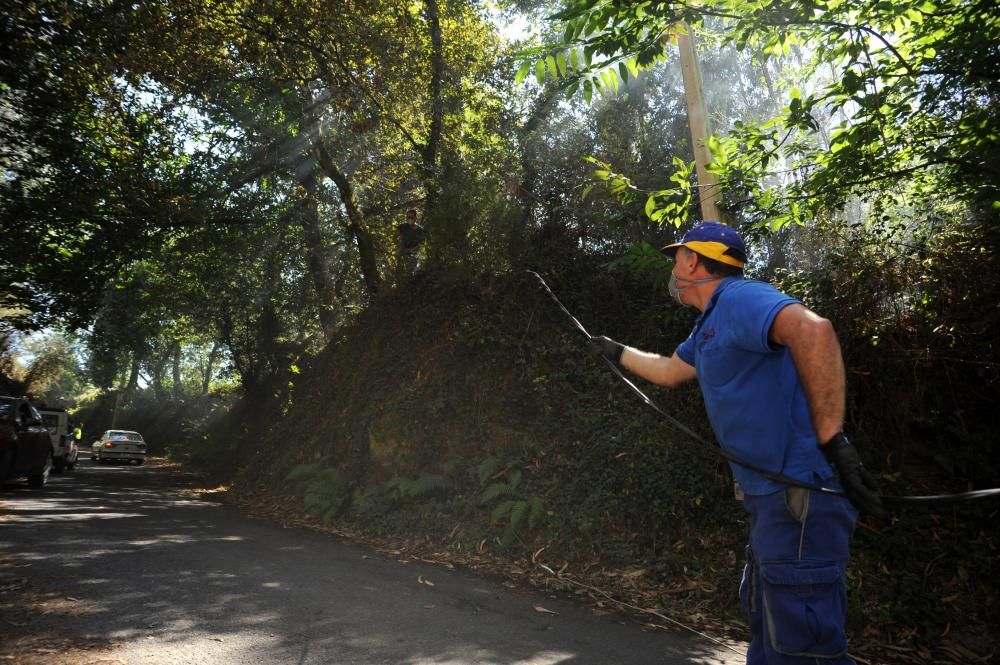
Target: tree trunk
column 133, row 379
column 525, row 191
column 177, row 370
column 429, row 151
column 157, row 371
column 355, row 226
column 317, row 254
column 244, row 364
column 206, row 376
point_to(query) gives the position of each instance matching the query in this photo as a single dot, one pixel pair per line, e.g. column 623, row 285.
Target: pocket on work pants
column 804, row 606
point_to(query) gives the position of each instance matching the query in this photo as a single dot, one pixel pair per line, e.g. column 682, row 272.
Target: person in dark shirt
column 410, row 239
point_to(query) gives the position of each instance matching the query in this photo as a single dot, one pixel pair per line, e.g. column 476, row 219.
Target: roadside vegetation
column 200, row 205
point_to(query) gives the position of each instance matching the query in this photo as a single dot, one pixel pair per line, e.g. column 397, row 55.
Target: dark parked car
column 25, row 445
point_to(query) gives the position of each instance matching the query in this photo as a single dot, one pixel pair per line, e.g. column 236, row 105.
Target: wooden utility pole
column 709, row 191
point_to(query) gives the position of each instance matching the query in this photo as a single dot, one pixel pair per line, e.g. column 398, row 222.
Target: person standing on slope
column 773, row 381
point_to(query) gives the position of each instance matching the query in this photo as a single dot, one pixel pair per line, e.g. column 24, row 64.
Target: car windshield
column 5, row 407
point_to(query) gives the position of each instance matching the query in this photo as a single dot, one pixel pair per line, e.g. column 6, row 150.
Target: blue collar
column 725, row 283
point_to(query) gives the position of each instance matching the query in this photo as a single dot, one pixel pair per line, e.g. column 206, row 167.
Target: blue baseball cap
column 715, row 241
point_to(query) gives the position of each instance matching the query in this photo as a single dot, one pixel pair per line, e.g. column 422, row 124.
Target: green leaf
column 500, row 511
column 537, row 511
column 606, row 75
column 517, row 513
column 515, row 478
column 495, row 490
column 550, row 61
column 540, row 72
column 522, row 72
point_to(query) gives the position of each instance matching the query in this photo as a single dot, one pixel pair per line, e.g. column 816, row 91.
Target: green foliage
column 425, row 485
column 44, row 366
column 523, row 515
column 507, row 487
column 304, row 473
column 644, row 259
column 574, row 67
column 373, row 502
column 892, row 290
column 325, row 491
column 520, row 514
column 914, row 85
column 206, row 159
column 378, row 500
column 428, row 484
column 662, row 206
column 487, row 468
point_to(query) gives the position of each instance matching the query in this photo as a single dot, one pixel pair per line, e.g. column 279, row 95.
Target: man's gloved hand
column 859, row 485
column 607, row 348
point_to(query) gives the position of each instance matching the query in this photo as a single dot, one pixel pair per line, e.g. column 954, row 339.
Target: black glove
column 859, row 485
column 607, row 348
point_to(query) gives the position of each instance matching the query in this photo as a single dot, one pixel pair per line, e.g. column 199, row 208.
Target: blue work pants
column 794, row 584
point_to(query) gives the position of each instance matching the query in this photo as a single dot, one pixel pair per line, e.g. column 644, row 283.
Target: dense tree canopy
column 237, row 145
column 226, row 177
column 899, row 93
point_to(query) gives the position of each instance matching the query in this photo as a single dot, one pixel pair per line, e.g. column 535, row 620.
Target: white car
column 64, row 447
column 119, row 445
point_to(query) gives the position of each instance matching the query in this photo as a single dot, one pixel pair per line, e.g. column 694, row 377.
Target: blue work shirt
column 752, row 392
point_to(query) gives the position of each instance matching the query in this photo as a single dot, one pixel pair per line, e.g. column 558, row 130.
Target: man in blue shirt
column 773, row 381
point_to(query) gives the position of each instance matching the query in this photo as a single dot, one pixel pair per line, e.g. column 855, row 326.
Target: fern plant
column 426, row 484
column 324, row 490
column 429, row 484
column 506, row 488
column 521, row 514
column 387, row 496
column 303, row 472
column 487, row 468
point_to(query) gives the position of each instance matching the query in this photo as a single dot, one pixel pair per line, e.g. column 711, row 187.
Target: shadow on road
column 172, row 578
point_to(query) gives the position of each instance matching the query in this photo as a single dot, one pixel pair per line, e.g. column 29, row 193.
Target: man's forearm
column 661, row 370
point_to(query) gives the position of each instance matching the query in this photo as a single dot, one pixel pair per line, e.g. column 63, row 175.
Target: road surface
column 168, row 578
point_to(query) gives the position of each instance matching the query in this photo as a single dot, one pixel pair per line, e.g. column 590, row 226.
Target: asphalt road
column 171, row 578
